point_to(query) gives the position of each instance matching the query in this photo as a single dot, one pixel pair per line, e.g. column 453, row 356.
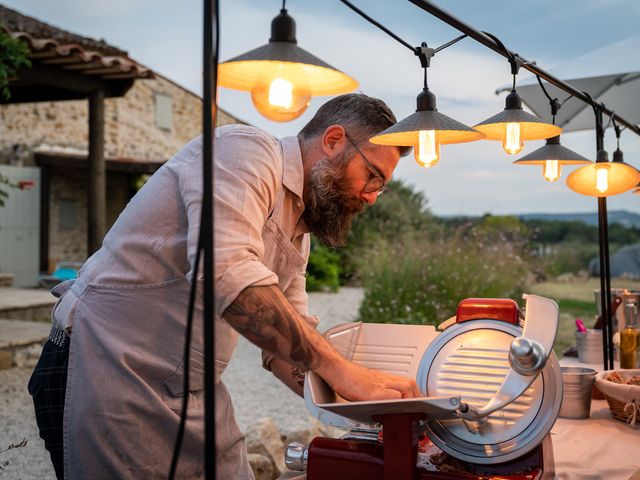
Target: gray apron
column 124, row 386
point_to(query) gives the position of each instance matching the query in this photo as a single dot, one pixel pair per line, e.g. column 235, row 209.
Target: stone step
column 26, row 304
column 21, row 342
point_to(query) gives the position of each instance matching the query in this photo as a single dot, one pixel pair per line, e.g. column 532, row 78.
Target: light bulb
column 282, row 93
column 551, row 170
column 427, row 152
column 512, row 141
column 602, row 178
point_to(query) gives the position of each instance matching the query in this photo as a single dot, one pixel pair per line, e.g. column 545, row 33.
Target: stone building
column 142, row 130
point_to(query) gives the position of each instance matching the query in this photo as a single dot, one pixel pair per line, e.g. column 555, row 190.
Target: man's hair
column 361, row 116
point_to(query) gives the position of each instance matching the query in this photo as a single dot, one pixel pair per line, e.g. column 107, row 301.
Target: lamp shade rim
column 405, row 132
column 563, row 155
column 533, row 128
column 245, row 71
column 621, row 178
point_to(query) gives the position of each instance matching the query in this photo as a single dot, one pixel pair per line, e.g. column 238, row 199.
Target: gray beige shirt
column 128, row 307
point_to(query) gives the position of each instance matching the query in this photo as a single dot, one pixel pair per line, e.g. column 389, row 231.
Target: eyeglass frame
column 373, row 170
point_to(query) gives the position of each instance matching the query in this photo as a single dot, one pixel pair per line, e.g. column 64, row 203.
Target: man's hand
column 354, row 382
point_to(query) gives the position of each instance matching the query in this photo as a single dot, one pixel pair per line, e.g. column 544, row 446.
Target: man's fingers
column 415, row 389
column 406, row 387
column 390, row 394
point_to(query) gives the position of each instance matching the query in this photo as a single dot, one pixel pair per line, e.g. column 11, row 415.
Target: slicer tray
column 391, row 348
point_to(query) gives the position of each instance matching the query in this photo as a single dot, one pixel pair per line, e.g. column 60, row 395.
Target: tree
column 14, row 54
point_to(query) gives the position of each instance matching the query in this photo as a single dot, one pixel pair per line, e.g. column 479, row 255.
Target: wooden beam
column 56, row 82
column 97, row 195
column 45, row 186
column 72, row 161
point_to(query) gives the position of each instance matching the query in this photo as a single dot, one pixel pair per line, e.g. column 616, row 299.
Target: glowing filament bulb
column 428, row 151
column 602, row 179
column 512, row 141
column 281, row 93
column 551, row 170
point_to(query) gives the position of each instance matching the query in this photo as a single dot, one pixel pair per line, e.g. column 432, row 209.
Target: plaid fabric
column 47, row 386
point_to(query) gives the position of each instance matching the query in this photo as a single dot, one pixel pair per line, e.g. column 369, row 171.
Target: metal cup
column 577, row 383
column 589, row 345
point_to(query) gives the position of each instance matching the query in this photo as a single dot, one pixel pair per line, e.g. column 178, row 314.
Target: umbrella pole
column 603, row 240
column 607, row 278
column 605, row 284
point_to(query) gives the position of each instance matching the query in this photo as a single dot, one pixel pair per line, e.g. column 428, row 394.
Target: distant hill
column 628, row 219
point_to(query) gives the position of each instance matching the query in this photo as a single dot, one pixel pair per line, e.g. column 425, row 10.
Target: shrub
column 322, row 269
column 420, row 279
column 400, row 211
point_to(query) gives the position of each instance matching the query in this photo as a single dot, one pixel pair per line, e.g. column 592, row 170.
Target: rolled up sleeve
column 247, row 172
column 297, row 291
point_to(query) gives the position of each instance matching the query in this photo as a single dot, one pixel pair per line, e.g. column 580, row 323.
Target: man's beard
column 329, row 210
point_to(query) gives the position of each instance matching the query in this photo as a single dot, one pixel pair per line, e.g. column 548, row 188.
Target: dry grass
column 580, row 288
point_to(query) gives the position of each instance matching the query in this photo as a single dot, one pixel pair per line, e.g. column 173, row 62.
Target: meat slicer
column 492, row 391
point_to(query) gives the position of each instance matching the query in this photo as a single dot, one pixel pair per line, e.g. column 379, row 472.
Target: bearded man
column 116, row 347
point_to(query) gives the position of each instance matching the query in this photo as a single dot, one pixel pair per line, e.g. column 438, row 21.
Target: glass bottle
column 629, row 336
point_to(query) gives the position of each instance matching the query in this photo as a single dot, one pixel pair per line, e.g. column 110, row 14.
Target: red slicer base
column 395, row 459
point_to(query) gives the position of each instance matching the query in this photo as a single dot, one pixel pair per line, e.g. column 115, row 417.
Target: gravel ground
column 255, row 392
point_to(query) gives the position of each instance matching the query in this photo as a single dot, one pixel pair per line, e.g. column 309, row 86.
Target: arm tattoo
column 265, row 317
column 298, row 376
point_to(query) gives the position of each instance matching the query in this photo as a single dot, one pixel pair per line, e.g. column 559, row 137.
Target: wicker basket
column 623, row 399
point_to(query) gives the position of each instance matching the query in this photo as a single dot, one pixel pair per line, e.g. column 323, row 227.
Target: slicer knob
column 526, row 356
column 295, row 457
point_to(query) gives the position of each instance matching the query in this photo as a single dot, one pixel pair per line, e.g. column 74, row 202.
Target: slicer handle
column 527, row 356
column 503, row 309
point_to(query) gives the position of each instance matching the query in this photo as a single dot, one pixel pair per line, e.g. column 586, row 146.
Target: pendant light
column 513, row 125
column 553, row 155
column 281, row 76
column 426, row 129
column 604, row 178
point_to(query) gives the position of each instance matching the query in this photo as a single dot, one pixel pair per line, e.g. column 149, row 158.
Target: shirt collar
column 293, row 176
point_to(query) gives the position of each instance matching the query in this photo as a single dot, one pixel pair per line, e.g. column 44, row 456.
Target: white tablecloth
column 599, row 447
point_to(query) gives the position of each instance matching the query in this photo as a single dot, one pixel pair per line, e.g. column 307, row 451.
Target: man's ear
column 333, row 140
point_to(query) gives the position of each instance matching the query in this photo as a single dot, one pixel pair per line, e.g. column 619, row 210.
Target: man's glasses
column 376, row 180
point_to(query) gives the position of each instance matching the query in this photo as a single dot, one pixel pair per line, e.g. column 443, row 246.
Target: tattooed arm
column 265, row 317
column 291, row 376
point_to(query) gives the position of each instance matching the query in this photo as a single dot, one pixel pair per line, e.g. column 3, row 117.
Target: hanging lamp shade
column 281, row 76
column 552, row 156
column 425, row 130
column 604, row 178
column 513, row 126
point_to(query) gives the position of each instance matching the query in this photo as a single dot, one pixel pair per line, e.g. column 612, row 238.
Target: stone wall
column 130, row 124
column 69, row 243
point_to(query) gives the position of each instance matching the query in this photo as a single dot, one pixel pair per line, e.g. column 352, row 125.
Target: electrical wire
column 511, row 58
column 205, row 236
column 553, row 102
column 378, row 24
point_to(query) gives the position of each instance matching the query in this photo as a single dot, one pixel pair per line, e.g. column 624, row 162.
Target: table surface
column 595, row 447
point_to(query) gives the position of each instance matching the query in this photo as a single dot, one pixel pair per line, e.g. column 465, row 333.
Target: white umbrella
column 610, row 74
